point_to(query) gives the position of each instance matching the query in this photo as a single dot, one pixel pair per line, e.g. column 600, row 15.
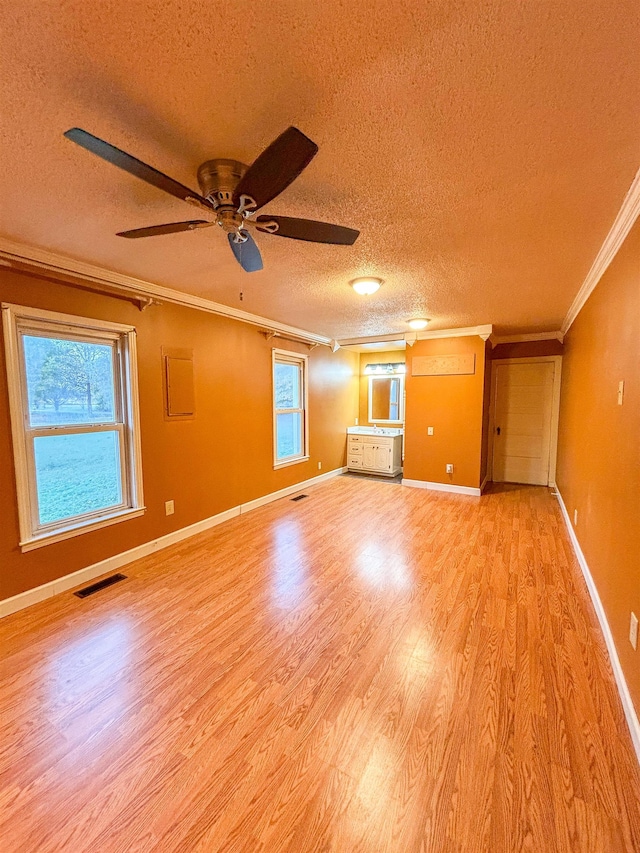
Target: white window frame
column 19, row 320
column 282, row 356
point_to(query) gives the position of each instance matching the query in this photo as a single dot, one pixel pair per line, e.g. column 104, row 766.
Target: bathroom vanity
column 374, row 450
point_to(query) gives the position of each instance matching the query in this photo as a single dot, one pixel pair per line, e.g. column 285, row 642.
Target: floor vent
column 96, row 587
column 299, row 497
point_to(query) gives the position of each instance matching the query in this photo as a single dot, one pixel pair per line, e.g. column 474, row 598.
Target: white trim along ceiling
column 622, row 225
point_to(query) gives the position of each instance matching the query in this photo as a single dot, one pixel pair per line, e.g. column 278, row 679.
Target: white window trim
column 283, row 355
column 14, row 318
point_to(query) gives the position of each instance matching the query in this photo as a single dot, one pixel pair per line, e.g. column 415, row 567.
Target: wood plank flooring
column 371, row 669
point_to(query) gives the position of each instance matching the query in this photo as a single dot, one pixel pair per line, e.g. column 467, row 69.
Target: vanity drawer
column 354, row 461
column 382, row 440
column 354, row 447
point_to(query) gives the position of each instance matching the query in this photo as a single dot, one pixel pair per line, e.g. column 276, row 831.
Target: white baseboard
column 623, row 690
column 111, row 564
column 290, row 490
column 441, row 487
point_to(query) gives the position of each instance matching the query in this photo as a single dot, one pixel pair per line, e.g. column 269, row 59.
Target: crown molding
column 411, row 337
column 533, row 336
column 623, row 223
column 371, row 339
column 467, row 332
column 17, row 254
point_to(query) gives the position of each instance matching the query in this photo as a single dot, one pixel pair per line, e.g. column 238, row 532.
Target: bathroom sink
column 358, row 430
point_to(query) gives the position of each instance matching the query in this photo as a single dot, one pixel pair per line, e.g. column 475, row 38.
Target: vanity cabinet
column 375, row 454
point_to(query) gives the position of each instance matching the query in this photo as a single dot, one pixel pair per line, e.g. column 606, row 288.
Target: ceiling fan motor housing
column 218, row 179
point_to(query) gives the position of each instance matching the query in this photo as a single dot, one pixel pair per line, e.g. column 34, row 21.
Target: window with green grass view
column 75, row 412
column 290, row 406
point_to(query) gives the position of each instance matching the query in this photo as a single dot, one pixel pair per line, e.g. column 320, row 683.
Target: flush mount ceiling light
column 418, row 323
column 366, row 286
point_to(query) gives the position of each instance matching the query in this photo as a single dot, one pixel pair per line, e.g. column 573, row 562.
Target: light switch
column 429, row 430
column 620, row 392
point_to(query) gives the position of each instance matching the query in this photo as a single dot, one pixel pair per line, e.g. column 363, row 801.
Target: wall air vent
column 96, row 587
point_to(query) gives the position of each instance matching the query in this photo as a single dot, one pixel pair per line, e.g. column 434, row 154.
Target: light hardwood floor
column 371, row 669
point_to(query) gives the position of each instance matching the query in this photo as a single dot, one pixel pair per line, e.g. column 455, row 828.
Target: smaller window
column 74, row 417
column 290, row 417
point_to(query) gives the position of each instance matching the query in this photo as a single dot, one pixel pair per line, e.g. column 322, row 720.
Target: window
column 74, row 417
column 290, row 420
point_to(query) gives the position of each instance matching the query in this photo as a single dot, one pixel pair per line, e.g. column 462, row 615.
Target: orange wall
column 387, row 357
column 218, row 460
column 599, row 443
column 453, row 406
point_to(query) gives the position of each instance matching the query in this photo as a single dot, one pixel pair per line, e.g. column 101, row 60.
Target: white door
column 523, row 406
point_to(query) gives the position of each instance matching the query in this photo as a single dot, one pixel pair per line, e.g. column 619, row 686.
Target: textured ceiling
column 483, row 149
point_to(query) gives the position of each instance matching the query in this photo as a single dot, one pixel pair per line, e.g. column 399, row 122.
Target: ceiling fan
column 232, row 192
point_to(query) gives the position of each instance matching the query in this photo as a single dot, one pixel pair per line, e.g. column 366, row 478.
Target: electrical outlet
column 449, row 468
column 633, row 631
column 356, row 422
column 319, row 466
column 429, row 430
column 620, row 392
column 575, row 518
column 169, row 507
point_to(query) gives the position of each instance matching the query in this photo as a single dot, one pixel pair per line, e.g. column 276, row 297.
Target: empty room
column 320, row 426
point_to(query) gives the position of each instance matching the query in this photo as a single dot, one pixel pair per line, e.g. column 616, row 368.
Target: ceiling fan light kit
column 231, row 192
column 366, row 286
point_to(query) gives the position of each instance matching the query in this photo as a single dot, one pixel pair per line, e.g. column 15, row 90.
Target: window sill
column 286, row 462
column 77, row 529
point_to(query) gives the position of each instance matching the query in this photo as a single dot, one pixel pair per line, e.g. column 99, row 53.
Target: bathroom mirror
column 386, row 399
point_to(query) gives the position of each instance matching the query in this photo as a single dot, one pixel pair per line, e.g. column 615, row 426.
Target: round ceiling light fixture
column 366, row 286
column 418, row 323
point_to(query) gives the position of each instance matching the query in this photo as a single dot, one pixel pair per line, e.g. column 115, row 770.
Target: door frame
column 556, row 360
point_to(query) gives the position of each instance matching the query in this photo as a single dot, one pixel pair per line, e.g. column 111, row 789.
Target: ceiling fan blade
column 307, row 229
column 134, row 166
column 170, row 228
column 276, row 167
column 247, row 253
